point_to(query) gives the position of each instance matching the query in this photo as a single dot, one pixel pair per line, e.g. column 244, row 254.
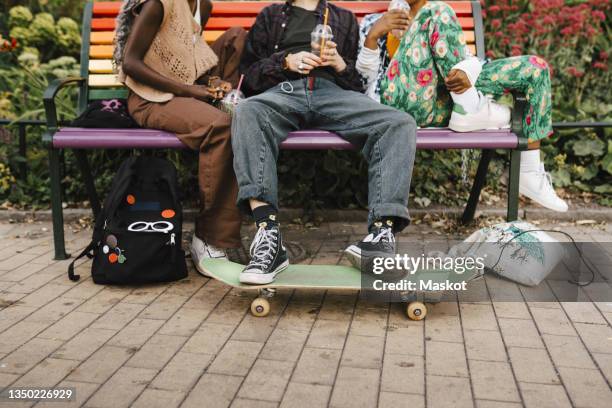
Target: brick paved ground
column 194, row 344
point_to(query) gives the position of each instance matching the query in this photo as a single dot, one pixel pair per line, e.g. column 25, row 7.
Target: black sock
column 265, row 214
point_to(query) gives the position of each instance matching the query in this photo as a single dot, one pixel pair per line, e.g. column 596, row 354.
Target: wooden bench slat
column 102, row 66
column 103, row 81
column 249, row 8
column 101, row 37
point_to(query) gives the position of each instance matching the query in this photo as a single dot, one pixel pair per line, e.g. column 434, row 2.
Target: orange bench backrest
column 225, row 14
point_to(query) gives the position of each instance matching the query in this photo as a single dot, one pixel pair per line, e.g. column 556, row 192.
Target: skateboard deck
column 295, row 276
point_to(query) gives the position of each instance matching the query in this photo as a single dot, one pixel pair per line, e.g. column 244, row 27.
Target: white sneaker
column 537, row 185
column 490, row 115
column 200, row 250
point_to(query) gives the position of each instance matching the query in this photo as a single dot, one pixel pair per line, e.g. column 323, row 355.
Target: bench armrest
column 49, row 99
column 518, row 113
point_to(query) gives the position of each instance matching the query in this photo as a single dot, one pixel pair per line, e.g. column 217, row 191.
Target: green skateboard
column 297, row 276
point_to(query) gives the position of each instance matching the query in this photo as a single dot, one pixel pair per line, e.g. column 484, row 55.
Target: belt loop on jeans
column 286, row 87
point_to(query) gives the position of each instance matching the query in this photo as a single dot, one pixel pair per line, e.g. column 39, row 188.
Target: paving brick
column 253, row 328
column 84, row 344
column 207, row 297
column 157, row 351
column 185, row 322
column 497, row 404
column 101, row 301
column 231, row 310
column 444, row 328
column 209, row 339
column 298, row 316
column 300, row 395
column 249, row 403
column 485, row 345
column 317, row 366
column 146, row 294
column 520, row 333
column 511, row 310
column 544, row 396
column 235, row 358
column 69, row 326
column 369, row 322
column 266, row 380
column 136, row 333
column 337, row 307
column 13, row 314
column 532, row 365
column 397, row 400
column 182, row 372
column 446, row 359
column 163, row 307
column 403, row 373
column 213, row 391
column 598, row 338
column 586, row 388
column 355, row 387
column 82, row 393
column 101, row 365
column 457, row 392
column 19, row 334
column 186, row 287
column 583, row 312
column 284, row 345
column 27, row 356
column 6, row 379
column 568, row 351
column 122, row 388
column 328, row 334
column 552, row 321
column 405, row 340
column 493, row 381
column 478, row 317
column 15, row 261
column 84, row 290
column 21, row 272
column 158, row 399
column 118, row 316
column 363, row 351
column 47, row 373
column 54, row 310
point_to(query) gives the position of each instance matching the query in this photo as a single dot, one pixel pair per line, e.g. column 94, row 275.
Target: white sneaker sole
column 262, row 278
column 473, row 127
column 353, row 253
column 196, row 263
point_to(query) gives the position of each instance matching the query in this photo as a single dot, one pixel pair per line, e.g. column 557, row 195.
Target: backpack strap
column 86, row 252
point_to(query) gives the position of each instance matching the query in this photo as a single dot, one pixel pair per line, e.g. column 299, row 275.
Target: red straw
column 240, row 82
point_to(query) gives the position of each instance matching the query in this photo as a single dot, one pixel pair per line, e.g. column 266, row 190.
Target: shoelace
column 385, row 236
column 263, row 247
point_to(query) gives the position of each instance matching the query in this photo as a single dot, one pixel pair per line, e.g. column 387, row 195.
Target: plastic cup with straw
column 320, row 35
column 233, row 98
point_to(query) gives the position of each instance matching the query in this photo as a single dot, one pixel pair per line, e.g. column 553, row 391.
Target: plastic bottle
column 320, row 35
column 229, row 102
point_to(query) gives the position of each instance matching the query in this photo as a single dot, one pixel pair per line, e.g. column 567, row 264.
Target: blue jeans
column 386, row 137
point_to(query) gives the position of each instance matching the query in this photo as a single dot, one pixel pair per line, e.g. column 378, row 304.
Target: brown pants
column 203, row 127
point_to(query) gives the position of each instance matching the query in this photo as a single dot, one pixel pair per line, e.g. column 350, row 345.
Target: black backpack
column 137, row 237
column 109, row 113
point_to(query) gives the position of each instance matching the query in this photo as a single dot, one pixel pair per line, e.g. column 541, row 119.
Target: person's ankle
column 265, row 216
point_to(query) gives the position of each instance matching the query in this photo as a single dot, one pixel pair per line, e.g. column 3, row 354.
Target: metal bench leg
column 56, row 205
column 479, row 182
column 513, row 185
column 81, row 157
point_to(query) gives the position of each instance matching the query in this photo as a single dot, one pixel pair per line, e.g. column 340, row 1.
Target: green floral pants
column 435, row 42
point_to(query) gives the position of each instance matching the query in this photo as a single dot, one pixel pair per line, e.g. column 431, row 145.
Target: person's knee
column 236, row 32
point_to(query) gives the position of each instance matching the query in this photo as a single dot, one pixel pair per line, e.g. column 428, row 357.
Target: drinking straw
column 324, row 24
column 240, row 82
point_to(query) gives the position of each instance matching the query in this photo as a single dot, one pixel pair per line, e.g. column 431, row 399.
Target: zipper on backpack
column 173, row 249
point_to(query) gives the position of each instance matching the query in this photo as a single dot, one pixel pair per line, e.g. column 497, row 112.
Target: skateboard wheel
column 416, row 311
column 260, row 307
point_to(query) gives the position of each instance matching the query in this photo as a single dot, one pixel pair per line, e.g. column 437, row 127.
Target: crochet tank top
column 177, row 51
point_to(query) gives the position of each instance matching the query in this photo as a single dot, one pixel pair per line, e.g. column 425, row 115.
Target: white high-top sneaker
column 201, row 250
column 490, row 115
column 537, row 185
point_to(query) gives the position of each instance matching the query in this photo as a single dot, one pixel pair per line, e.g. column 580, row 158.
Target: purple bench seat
column 431, row 139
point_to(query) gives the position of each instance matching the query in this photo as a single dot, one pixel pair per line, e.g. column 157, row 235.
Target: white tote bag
column 515, row 250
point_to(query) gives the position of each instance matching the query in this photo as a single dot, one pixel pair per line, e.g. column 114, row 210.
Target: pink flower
column 528, row 119
column 434, row 38
column 425, row 77
column 538, row 62
column 393, row 70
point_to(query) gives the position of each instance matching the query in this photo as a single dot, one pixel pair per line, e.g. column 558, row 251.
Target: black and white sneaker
column 380, row 243
column 268, row 257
